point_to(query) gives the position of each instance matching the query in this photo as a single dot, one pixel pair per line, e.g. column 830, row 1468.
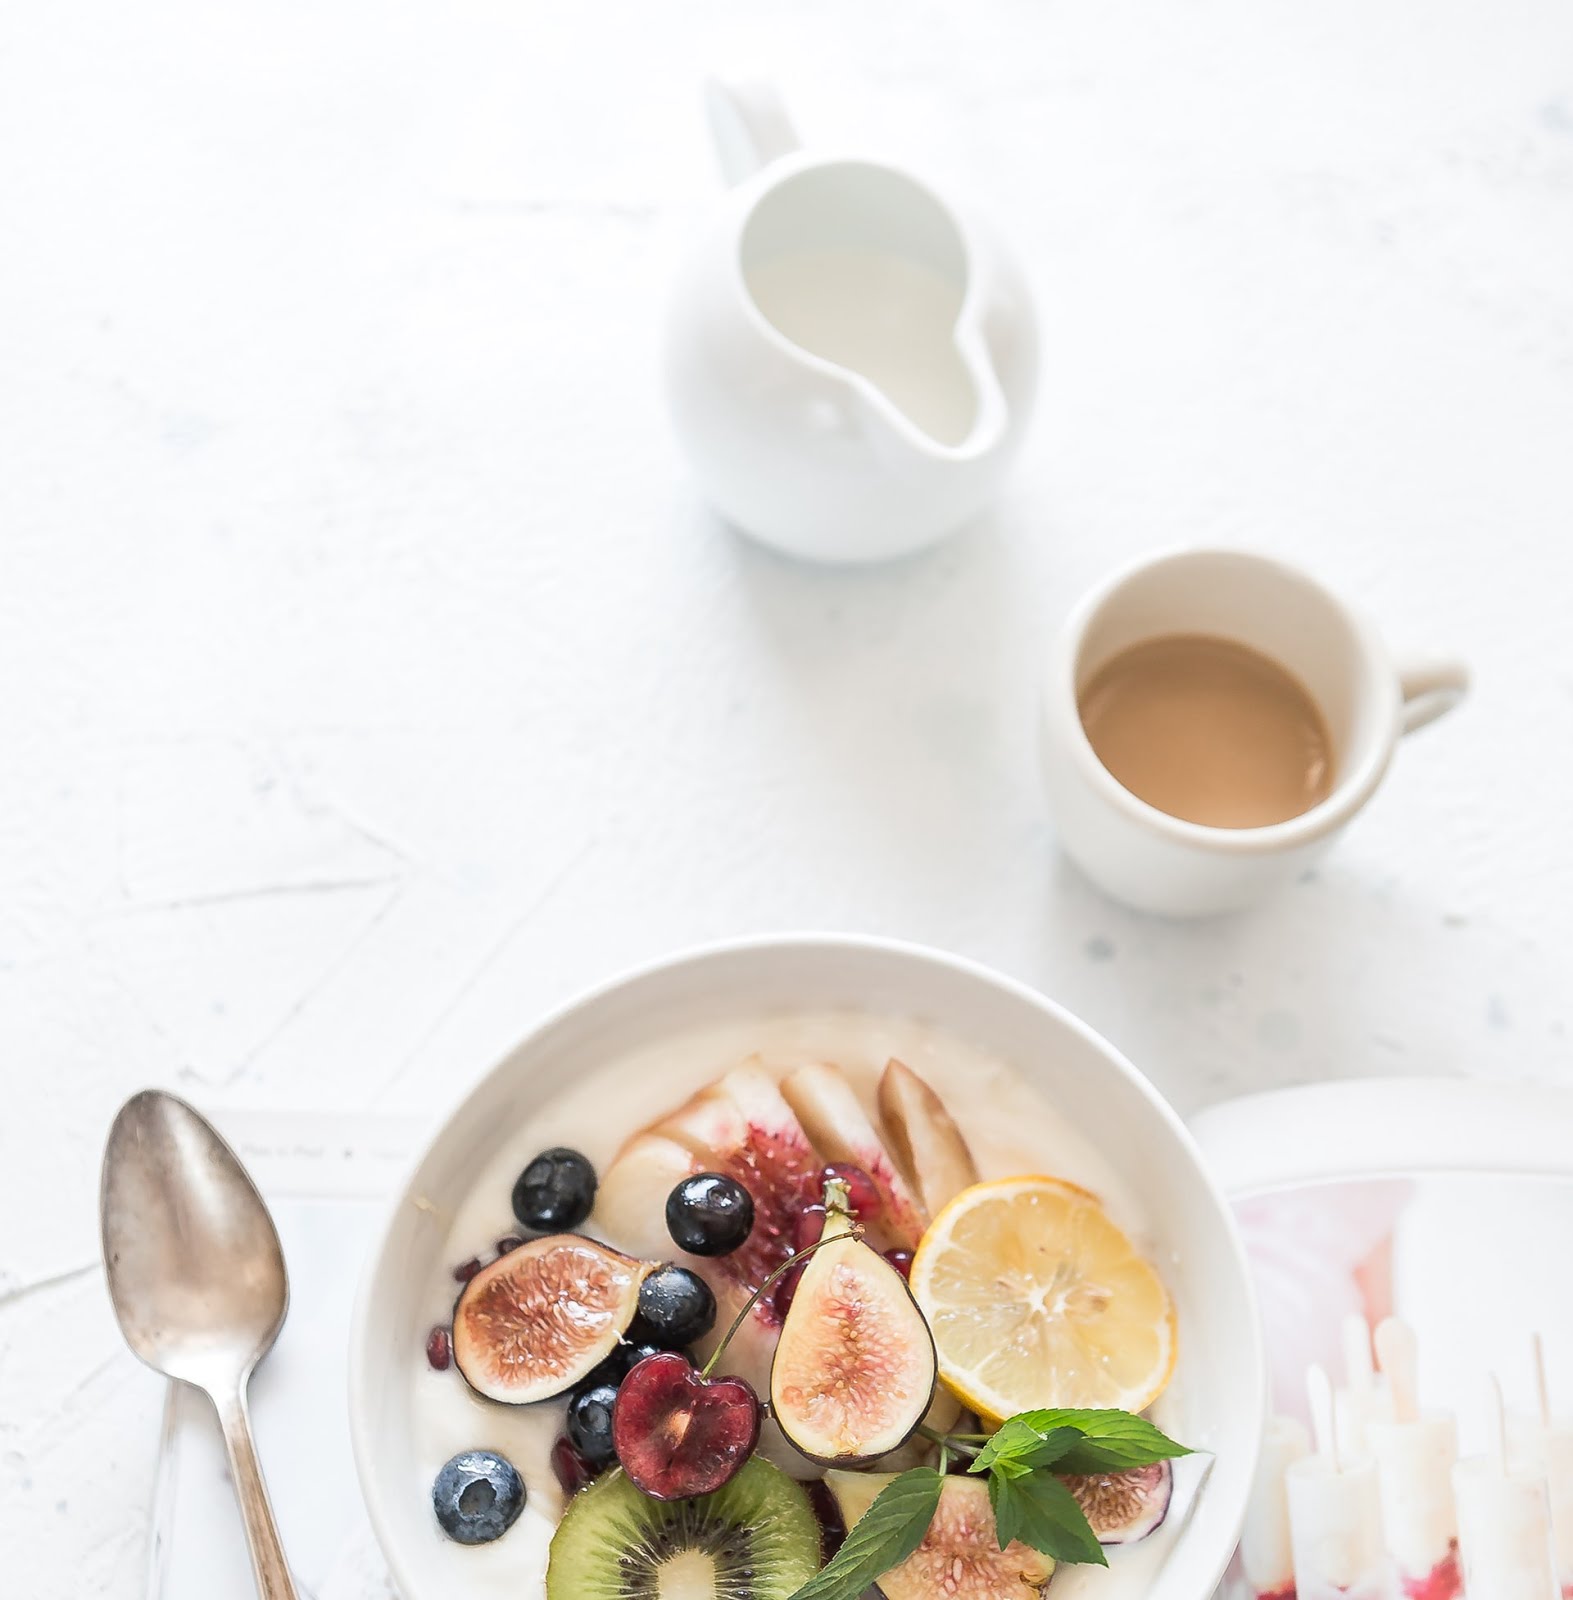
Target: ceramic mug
column 1160, row 863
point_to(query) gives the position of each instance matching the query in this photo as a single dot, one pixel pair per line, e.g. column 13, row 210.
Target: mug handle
column 749, row 125
column 1430, row 689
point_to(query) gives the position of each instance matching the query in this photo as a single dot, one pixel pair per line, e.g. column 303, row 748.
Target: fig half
column 1123, row 1507
column 960, row 1557
column 854, row 1367
column 535, row 1322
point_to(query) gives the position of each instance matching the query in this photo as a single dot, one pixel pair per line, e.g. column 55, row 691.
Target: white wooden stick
column 1542, row 1393
column 1358, row 1371
column 1319, row 1391
column 1399, row 1354
column 1499, row 1432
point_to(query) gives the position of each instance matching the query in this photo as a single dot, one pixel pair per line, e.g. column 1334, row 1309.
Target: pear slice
column 960, row 1556
column 924, row 1137
column 834, row 1119
column 854, row 1368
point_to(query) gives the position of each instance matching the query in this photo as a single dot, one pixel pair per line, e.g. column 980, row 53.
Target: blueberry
column 590, row 1423
column 709, row 1215
column 555, row 1192
column 477, row 1497
column 608, row 1371
column 676, row 1307
column 615, row 1367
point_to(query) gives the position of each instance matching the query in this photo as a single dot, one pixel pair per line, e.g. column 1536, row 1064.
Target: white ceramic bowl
column 1217, row 1400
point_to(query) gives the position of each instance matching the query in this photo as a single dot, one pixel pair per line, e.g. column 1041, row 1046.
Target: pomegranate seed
column 573, row 1471
column 439, row 1349
column 901, row 1260
column 463, row 1274
column 862, row 1192
column 508, row 1244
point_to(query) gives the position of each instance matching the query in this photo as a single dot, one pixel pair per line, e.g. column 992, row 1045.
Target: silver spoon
column 197, row 1280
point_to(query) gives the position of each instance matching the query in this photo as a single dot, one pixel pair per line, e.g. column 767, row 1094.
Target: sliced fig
column 740, row 1126
column 1125, row 1506
column 854, row 1368
column 836, row 1123
column 960, row 1557
column 923, row 1137
column 538, row 1319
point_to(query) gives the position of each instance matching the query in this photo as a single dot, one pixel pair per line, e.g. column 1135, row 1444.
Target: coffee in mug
column 1213, row 720
column 1210, row 731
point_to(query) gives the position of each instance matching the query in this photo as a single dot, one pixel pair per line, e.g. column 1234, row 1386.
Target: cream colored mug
column 1164, row 864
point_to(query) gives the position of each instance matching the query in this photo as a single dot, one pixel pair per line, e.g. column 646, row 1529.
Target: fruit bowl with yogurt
column 792, row 1238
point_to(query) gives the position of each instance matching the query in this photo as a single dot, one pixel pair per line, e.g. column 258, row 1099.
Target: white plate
column 1218, row 1395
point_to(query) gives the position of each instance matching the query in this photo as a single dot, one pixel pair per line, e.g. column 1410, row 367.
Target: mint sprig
column 1101, row 1441
column 1026, row 1461
column 1038, row 1509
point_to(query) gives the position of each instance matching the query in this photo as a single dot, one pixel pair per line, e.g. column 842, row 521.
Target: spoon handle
column 262, row 1532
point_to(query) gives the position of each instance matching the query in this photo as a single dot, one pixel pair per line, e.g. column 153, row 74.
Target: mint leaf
column 1113, row 1441
column 1040, row 1511
column 882, row 1538
column 1018, row 1448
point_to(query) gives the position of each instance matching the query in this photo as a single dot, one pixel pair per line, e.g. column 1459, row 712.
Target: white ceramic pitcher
column 850, row 360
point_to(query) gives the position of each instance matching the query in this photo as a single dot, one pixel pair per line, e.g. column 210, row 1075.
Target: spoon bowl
column 195, row 1269
column 196, row 1276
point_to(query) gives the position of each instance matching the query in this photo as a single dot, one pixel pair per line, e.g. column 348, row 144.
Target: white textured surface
column 373, row 681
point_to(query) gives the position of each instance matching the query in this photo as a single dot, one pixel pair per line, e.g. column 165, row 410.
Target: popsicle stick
column 1319, row 1391
column 1358, row 1369
column 1542, row 1393
column 1498, row 1415
column 1399, row 1355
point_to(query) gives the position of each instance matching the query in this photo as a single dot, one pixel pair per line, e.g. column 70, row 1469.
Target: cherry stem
column 854, row 1232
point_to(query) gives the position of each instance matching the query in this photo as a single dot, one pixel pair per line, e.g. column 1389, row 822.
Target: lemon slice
column 1036, row 1299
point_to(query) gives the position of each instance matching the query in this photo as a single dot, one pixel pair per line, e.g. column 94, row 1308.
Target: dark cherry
column 614, row 1368
column 676, row 1307
column 439, row 1349
column 808, row 1227
column 862, row 1192
column 679, row 1433
column 573, row 1471
column 901, row 1260
column 590, row 1423
column 832, row 1525
column 709, row 1214
column 467, row 1269
column 555, row 1192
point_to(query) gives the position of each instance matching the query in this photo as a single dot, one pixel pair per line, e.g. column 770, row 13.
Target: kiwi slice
column 755, row 1539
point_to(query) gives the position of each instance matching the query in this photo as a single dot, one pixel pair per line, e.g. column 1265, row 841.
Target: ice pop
column 1335, row 1519
column 1266, row 1556
column 1504, row 1524
column 1414, row 1456
column 1543, row 1446
column 1364, row 1397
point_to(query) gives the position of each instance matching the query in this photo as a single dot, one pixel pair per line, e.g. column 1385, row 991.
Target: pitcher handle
column 1430, row 689
column 749, row 125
